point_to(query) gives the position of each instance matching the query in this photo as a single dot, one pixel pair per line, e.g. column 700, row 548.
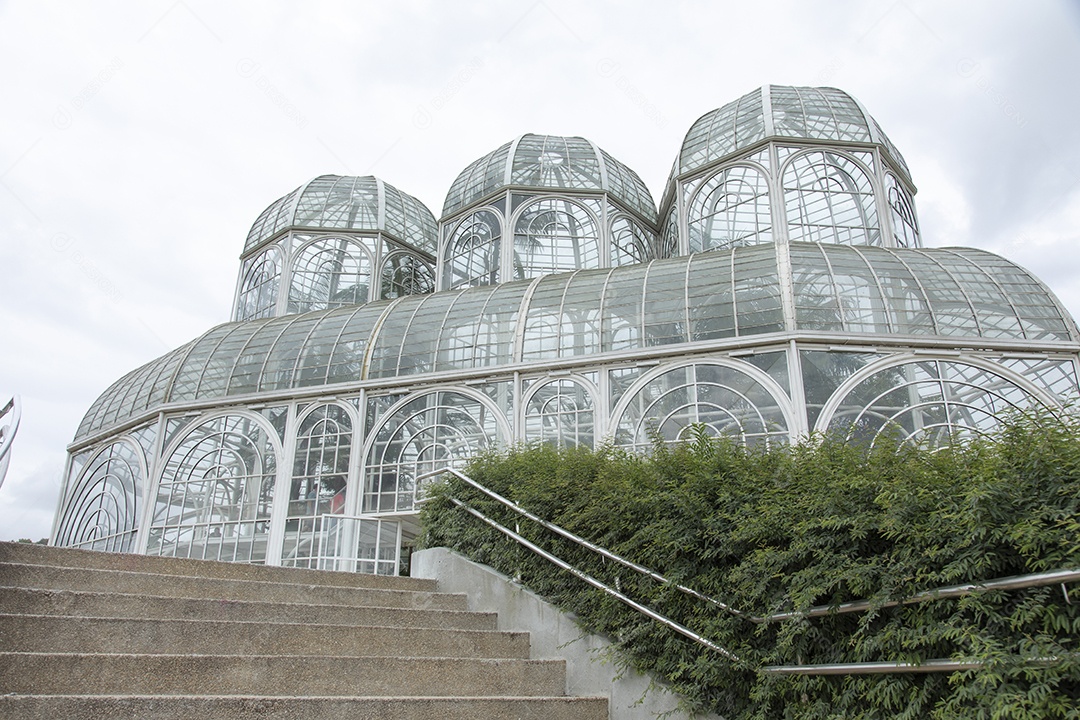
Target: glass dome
column 550, row 161
column 334, row 202
column 780, row 111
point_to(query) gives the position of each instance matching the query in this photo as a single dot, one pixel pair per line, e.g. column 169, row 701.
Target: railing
column 10, row 416
column 865, row 668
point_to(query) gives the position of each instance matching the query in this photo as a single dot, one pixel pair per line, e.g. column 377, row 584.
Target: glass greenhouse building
column 782, row 288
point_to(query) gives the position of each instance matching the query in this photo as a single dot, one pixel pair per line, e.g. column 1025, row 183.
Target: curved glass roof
column 333, row 202
column 549, row 161
column 780, row 111
column 868, row 291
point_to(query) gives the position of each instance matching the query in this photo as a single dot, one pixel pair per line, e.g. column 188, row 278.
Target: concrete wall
column 590, row 666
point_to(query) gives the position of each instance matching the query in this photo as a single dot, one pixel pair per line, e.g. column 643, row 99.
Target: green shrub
column 785, row 529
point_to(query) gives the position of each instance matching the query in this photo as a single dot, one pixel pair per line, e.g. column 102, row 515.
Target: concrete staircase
column 96, row 635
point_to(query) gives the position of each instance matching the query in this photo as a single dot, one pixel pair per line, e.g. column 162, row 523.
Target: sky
column 140, row 140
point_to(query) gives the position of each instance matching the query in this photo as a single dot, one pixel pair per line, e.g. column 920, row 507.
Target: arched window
column 405, row 274
column 328, row 273
column 725, row 400
column 553, row 236
column 932, row 402
column 319, row 480
column 830, row 199
column 259, row 286
column 102, row 509
column 730, row 209
column 560, row 412
column 630, row 243
column 902, row 210
column 472, row 252
column 439, row 429
column 216, row 493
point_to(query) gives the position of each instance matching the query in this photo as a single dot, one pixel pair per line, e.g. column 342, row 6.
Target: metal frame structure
column 10, row 417
column 1053, row 577
column 614, row 325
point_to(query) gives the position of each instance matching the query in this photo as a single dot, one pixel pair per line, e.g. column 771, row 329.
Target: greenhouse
column 781, row 289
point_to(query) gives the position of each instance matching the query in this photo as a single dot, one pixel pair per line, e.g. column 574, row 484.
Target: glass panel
column 215, row 494
column 630, row 243
column 319, row 477
column 472, row 252
column 406, row 274
column 439, row 429
column 553, row 236
column 726, row 401
column 933, row 403
column 102, row 508
column 823, row 372
column 730, row 209
column 830, row 199
column 261, row 276
column 560, row 413
column 328, row 273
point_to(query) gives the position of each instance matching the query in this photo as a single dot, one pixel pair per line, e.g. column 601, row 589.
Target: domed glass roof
column 780, row 111
column 333, row 202
column 550, row 161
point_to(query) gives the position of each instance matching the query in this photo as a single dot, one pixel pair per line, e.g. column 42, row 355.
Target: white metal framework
column 10, row 415
column 785, row 291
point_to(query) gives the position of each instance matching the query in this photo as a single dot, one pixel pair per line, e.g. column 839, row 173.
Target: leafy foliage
column 821, row 523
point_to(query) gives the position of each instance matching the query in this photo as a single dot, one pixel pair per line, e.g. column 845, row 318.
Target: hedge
column 778, row 529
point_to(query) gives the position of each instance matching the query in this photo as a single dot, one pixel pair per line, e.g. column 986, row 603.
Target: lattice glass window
column 902, row 209
column 216, row 493
column 406, row 274
column 934, row 402
column 328, row 273
column 436, row 430
column 730, row 209
column 560, row 413
column 552, row 236
column 830, row 199
column 472, row 252
column 102, row 509
column 725, row 400
column 319, row 477
column 259, row 286
column 630, row 243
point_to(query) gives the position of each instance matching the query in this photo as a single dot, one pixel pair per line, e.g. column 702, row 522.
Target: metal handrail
column 10, row 416
column 648, row 612
column 591, row 546
column 928, row 666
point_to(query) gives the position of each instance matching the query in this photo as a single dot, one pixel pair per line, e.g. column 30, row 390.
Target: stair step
column 276, row 675
column 28, row 601
column 170, row 585
column 30, row 554
column 59, row 634
column 94, row 707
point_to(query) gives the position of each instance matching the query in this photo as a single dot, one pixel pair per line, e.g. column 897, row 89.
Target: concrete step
column 48, row 577
column 277, row 675
column 26, row 601
column 90, row 707
column 60, row 634
column 30, row 554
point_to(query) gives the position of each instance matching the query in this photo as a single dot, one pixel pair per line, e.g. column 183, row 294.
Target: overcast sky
column 139, row 141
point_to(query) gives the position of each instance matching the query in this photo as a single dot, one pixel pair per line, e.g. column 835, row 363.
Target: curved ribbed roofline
column 726, row 294
column 413, row 223
column 779, row 112
column 479, row 180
